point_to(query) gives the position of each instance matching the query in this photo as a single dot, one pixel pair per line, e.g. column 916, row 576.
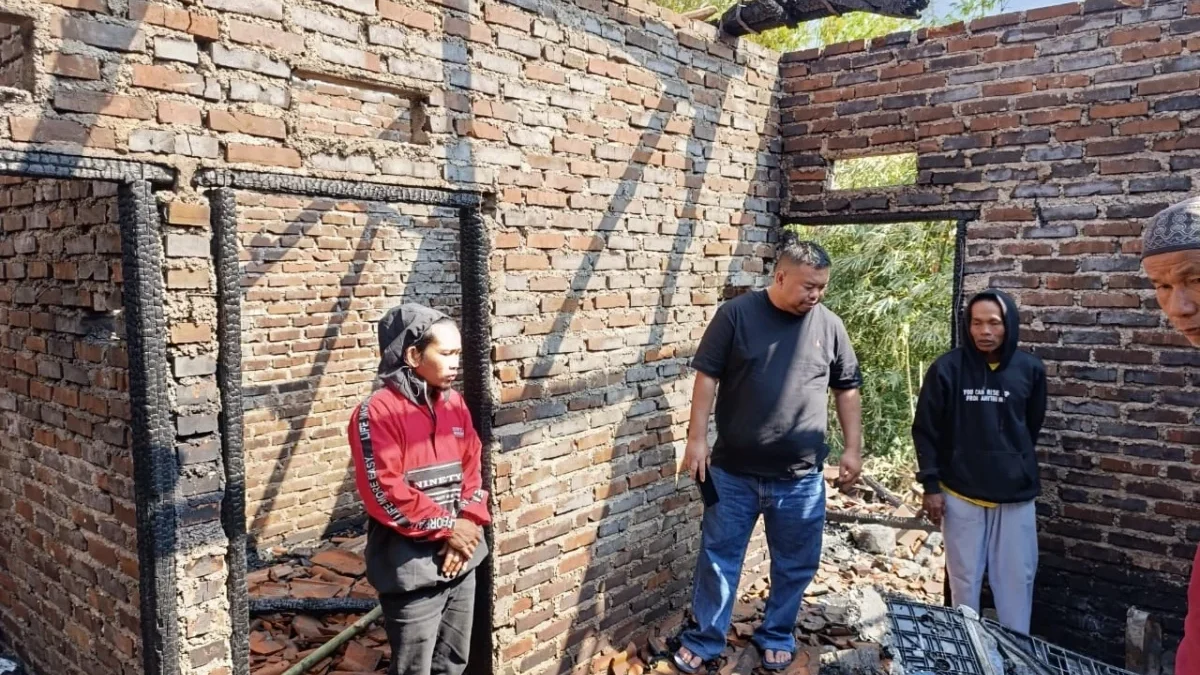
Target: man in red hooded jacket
column 417, row 468
column 1171, row 258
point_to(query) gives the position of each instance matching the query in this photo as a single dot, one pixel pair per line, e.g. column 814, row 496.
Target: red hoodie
column 1187, row 660
column 417, row 468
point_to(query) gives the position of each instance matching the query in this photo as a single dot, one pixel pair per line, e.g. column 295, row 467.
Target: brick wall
column 1088, row 112
column 637, row 185
column 13, row 60
column 200, row 572
column 68, row 575
column 632, row 161
column 331, row 109
column 318, row 274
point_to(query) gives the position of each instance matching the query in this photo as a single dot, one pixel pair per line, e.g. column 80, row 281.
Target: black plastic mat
column 932, row 639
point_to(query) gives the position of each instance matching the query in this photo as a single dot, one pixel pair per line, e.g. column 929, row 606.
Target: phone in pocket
column 708, row 490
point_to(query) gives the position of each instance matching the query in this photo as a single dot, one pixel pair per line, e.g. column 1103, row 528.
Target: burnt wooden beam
column 756, row 16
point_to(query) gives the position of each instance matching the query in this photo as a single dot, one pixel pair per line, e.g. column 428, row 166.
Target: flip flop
column 683, row 665
column 774, row 667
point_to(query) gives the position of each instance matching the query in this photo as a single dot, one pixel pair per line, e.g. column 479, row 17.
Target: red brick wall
column 631, row 164
column 317, row 276
column 637, row 184
column 68, row 575
column 1088, row 111
column 13, row 59
column 331, row 109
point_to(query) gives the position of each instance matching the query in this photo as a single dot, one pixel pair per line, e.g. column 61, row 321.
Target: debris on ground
column 843, row 623
column 910, row 562
column 336, row 569
column 874, row 538
column 839, row 627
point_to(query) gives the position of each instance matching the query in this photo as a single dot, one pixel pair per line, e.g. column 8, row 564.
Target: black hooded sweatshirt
column 976, row 428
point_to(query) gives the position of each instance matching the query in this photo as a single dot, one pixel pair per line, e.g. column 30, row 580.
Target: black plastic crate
column 1060, row 661
column 932, row 639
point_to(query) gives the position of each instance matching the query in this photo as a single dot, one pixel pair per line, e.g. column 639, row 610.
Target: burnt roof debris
column 756, row 16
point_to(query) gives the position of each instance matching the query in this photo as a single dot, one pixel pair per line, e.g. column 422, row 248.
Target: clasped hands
column 458, row 549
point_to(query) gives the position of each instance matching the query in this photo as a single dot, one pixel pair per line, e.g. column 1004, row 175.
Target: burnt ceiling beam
column 756, row 16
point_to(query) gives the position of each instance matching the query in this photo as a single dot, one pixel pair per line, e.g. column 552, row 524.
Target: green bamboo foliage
column 851, row 26
column 873, row 172
column 892, row 285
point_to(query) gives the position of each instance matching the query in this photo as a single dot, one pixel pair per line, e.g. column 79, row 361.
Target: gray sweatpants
column 1001, row 541
column 429, row 629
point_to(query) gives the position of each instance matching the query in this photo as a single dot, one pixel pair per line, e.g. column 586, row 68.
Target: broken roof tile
column 341, row 561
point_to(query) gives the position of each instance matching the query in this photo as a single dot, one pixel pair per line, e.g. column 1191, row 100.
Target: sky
column 1016, row 5
column 941, row 6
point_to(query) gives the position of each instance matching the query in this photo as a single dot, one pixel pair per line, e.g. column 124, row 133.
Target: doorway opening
column 897, row 283
column 306, row 267
column 897, row 286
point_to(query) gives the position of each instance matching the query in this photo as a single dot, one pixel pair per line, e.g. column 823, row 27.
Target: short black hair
column 426, row 339
column 986, row 297
column 799, row 251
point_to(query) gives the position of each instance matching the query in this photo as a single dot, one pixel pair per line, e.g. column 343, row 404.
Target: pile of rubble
column 909, row 562
column 837, row 633
column 280, row 640
column 335, row 570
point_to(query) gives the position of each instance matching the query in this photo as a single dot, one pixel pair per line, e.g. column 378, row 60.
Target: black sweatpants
column 430, row 629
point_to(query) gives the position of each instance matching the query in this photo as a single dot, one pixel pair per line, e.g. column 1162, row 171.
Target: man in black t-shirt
column 775, row 353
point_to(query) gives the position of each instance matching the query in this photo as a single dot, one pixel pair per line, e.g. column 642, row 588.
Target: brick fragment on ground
column 341, row 561
column 335, row 570
column 264, row 643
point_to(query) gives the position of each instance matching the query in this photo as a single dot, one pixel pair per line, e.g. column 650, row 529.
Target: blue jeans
column 794, row 514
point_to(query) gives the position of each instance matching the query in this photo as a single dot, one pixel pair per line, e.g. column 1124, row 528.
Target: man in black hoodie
column 977, row 422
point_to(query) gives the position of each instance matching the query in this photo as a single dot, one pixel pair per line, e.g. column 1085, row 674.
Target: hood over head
column 1012, row 325
column 399, row 329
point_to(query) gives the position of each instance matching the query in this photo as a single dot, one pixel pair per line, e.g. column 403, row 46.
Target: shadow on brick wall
column 311, row 316
column 638, row 567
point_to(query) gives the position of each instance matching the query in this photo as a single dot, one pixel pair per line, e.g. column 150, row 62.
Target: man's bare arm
column 704, row 392
column 849, row 411
column 695, row 459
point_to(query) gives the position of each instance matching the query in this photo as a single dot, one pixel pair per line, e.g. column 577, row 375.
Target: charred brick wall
column 1063, row 129
column 69, row 573
column 630, row 159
